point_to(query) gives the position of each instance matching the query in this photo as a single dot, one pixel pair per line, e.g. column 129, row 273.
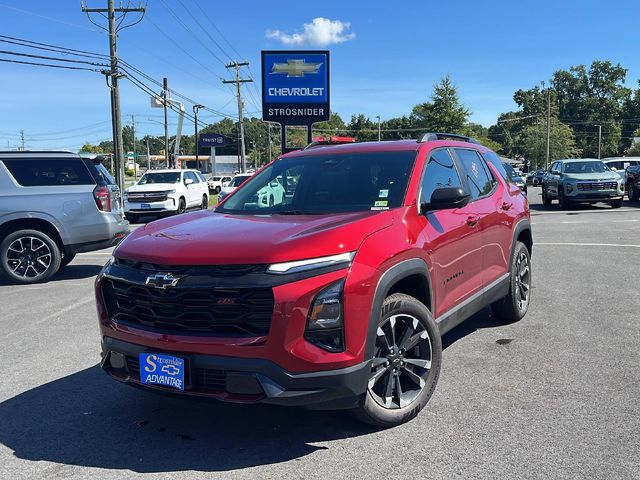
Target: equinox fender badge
column 162, row 280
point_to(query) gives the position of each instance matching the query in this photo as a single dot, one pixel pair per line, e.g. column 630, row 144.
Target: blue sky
column 387, row 57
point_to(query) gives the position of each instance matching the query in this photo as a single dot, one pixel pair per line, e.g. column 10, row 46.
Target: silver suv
column 52, row 206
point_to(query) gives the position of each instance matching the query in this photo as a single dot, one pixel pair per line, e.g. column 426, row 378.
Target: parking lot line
column 576, row 244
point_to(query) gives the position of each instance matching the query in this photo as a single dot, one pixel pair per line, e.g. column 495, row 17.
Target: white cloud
column 320, row 32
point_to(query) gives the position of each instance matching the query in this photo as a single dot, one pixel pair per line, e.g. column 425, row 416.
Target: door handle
column 472, row 220
column 506, row 205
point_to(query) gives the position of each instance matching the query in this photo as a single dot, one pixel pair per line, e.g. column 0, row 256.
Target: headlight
column 168, row 192
column 325, row 323
column 311, row 263
column 570, row 187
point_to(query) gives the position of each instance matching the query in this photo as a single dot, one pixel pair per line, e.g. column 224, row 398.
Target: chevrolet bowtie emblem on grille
column 162, row 280
column 295, row 68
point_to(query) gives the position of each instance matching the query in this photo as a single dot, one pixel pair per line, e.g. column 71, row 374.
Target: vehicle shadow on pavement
column 87, row 419
column 70, row 272
column 483, row 319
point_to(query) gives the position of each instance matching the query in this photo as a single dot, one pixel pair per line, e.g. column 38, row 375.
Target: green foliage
column 444, row 113
column 90, row 148
column 534, row 143
column 130, row 172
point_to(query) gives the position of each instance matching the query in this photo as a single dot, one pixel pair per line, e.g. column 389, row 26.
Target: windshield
column 239, row 180
column 314, row 184
column 585, row 167
column 160, row 177
column 215, row 179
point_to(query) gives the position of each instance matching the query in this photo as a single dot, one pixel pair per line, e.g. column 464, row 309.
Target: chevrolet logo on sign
column 295, row 68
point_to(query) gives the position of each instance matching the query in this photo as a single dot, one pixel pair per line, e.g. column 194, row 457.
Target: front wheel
column 616, row 203
column 205, row 202
column 406, row 363
column 515, row 305
column 182, row 206
column 562, row 200
column 29, row 256
column 545, row 197
column 633, row 192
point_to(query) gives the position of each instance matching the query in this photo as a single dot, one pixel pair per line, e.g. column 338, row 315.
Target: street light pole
column 165, row 87
column 196, row 107
column 378, row 117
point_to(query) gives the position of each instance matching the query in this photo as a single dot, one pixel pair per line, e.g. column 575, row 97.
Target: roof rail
column 429, row 137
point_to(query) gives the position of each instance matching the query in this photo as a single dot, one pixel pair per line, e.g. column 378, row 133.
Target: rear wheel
column 515, row 305
column 29, row 256
column 406, row 363
column 633, row 192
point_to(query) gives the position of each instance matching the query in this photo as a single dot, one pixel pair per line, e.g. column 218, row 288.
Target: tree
column 634, row 149
column 444, row 113
column 90, row 148
column 534, row 143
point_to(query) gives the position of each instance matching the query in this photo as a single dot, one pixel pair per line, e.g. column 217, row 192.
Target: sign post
column 212, row 140
column 295, row 89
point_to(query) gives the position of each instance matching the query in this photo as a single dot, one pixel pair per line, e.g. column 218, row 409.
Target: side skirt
column 496, row 290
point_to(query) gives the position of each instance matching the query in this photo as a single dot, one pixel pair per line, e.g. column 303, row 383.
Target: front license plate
column 165, row 370
column 145, row 206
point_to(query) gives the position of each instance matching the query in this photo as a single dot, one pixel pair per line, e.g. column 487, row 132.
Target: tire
column 562, row 200
column 545, row 198
column 205, row 203
column 403, row 321
column 182, row 206
column 633, row 192
column 66, row 260
column 616, row 203
column 271, row 201
column 515, row 305
column 29, row 256
column 217, row 190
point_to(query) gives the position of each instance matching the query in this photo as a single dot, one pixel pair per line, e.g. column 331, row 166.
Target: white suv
column 216, row 183
column 161, row 192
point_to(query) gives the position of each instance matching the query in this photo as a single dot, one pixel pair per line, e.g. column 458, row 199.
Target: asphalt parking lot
column 556, row 395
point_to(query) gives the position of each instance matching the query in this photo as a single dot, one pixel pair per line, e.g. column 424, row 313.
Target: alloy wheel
column 523, row 281
column 401, row 363
column 29, row 257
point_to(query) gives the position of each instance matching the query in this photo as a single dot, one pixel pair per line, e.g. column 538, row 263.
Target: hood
column 227, row 189
column 153, row 187
column 210, row 238
column 595, row 177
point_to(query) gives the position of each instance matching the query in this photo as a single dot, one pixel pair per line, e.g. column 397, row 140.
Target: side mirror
column 446, row 198
column 555, row 172
column 188, row 181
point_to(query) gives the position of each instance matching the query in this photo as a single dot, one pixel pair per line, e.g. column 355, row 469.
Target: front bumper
column 168, row 205
column 244, row 380
column 601, row 196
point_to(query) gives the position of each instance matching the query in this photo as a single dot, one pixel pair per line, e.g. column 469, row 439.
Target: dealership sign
column 295, row 86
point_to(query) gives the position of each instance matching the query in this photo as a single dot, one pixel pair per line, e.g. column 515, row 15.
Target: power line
column 67, row 67
column 46, row 57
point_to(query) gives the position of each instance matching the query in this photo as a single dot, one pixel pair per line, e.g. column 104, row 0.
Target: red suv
column 326, row 280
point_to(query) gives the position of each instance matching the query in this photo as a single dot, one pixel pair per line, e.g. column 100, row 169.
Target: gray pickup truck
column 52, row 206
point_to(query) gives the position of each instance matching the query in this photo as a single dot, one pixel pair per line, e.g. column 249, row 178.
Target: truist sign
column 295, row 86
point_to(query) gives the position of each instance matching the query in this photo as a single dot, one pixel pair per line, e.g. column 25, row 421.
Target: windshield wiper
column 294, row 212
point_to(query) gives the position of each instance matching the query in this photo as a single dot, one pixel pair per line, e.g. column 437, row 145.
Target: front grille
column 190, row 311
column 594, row 186
column 147, row 197
column 203, row 378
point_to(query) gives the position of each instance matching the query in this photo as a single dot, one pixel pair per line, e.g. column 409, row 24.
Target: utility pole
column 599, row 141
column 148, row 156
column 378, row 117
column 165, row 88
column 22, row 140
column 196, row 107
column 135, row 166
column 115, row 75
column 548, row 126
column 237, row 82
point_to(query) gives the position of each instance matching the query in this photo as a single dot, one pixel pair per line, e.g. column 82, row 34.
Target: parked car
column 216, row 182
column 237, row 180
column 515, row 177
column 52, row 206
column 620, row 164
column 582, row 180
column 633, row 182
column 162, row 192
column 337, row 295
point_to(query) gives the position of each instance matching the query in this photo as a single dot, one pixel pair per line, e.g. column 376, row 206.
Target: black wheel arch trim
column 522, row 225
column 390, row 277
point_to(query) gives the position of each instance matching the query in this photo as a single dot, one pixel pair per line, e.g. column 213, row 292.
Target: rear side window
column 440, row 172
column 48, row 172
column 104, row 175
column 478, row 179
column 494, row 159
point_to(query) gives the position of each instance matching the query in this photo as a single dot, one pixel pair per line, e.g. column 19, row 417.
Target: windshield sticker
column 383, row 193
column 379, row 208
column 381, row 203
